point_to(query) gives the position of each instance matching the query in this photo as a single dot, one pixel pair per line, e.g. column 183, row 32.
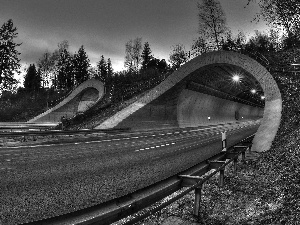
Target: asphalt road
column 42, row 181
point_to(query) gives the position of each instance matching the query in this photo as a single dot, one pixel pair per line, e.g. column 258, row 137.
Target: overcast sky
column 104, row 26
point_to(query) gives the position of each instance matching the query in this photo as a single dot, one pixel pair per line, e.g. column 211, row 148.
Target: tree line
column 283, row 16
column 64, row 70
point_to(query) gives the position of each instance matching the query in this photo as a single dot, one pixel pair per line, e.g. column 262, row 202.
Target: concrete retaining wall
column 195, row 109
column 181, row 107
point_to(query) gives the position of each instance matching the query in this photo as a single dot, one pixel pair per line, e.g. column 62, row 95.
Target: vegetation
column 133, row 55
column 24, row 104
column 9, row 61
column 81, row 65
column 32, row 82
column 178, row 56
column 266, row 191
column 212, row 23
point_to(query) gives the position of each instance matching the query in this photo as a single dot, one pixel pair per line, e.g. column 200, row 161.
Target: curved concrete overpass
column 84, row 96
column 173, row 103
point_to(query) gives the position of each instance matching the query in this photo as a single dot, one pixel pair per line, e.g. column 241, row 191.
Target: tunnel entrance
column 214, row 70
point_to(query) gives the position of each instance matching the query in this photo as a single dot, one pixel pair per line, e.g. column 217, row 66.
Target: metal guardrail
column 61, row 132
column 114, row 210
column 10, row 126
column 195, row 180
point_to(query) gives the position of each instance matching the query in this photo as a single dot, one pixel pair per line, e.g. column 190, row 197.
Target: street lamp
column 236, row 78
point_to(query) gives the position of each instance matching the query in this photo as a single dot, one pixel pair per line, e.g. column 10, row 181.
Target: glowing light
column 262, row 97
column 253, row 91
column 236, row 78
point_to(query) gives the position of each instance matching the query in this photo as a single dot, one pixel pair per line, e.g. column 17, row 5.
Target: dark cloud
column 104, row 26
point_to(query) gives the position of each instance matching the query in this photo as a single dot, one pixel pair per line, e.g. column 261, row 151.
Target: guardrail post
column 197, row 202
column 224, row 142
column 221, row 180
column 235, row 160
column 243, row 150
column 216, row 165
column 243, row 156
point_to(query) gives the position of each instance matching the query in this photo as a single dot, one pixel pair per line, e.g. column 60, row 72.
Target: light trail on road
column 46, row 180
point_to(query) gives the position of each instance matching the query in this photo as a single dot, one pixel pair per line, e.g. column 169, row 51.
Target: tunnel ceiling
column 219, row 77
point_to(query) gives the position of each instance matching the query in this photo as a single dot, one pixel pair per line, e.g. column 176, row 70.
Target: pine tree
column 81, row 65
column 102, row 69
column 69, row 70
column 9, row 61
column 32, row 81
column 109, row 72
column 146, row 55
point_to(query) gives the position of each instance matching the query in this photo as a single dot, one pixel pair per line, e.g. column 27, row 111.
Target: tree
column 274, row 39
column 199, row 47
column 81, row 65
column 9, row 61
column 48, row 65
column 32, row 81
column 212, row 22
column 280, row 13
column 160, row 65
column 232, row 43
column 240, row 40
column 178, row 56
column 65, row 70
column 259, row 42
column 102, row 69
column 109, row 72
column 133, row 56
column 146, row 55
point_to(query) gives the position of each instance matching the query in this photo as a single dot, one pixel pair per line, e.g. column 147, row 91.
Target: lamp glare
column 236, row 78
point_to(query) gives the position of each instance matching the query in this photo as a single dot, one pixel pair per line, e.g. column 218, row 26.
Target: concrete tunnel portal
column 188, row 97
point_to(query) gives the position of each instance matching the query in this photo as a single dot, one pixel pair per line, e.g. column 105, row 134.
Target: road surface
column 42, row 181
